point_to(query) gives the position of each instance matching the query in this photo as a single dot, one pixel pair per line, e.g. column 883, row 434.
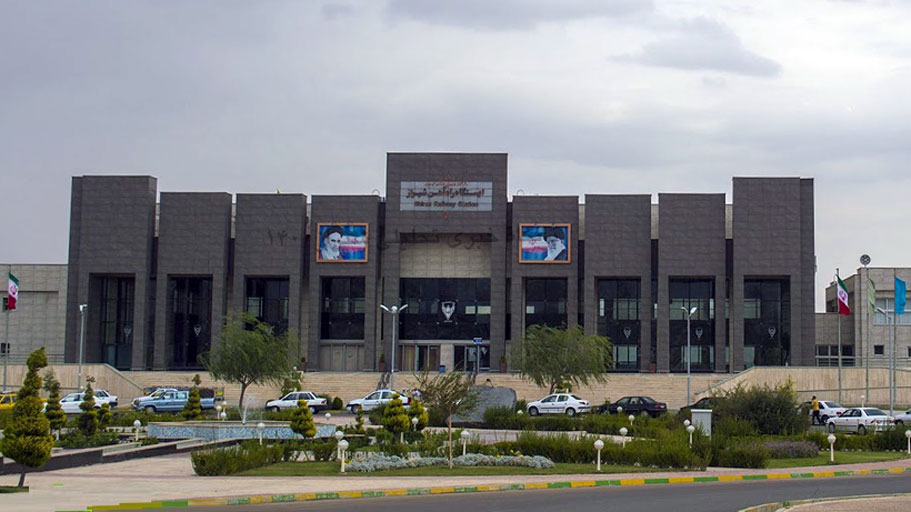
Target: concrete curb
column 318, row 496
column 774, row 507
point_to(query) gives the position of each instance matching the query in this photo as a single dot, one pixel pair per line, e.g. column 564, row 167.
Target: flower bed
column 380, row 462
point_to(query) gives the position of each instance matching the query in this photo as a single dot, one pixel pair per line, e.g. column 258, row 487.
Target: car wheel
column 825, row 419
column 312, row 410
column 643, row 413
column 862, row 430
column 570, row 412
column 831, row 428
column 532, row 411
column 899, row 422
column 150, row 409
column 353, row 409
column 274, row 408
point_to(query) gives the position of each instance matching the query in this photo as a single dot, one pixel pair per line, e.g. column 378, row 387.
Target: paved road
column 715, row 497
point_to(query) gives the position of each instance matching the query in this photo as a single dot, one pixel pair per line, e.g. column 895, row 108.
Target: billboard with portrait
column 544, row 243
column 341, row 242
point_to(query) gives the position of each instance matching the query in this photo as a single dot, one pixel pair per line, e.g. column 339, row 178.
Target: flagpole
column 838, row 279
column 6, row 337
column 892, row 352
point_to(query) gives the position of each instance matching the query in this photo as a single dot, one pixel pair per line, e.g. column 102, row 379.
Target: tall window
column 117, row 321
column 445, row 309
column 766, row 322
column 545, row 302
column 685, row 294
column 619, row 310
column 342, row 315
column 267, row 300
column 190, row 323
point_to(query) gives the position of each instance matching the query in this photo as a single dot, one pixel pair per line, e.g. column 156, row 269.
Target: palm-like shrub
column 88, row 419
column 302, row 420
column 27, row 438
column 395, row 420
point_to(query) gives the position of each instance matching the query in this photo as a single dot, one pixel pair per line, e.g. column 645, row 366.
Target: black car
column 636, row 405
column 708, row 402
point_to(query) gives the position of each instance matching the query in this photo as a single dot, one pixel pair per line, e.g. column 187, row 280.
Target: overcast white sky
column 600, row 96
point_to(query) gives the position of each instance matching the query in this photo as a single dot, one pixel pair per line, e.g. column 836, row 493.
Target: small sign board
column 478, row 341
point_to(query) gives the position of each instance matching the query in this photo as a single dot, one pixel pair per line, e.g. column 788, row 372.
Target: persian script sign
column 449, row 196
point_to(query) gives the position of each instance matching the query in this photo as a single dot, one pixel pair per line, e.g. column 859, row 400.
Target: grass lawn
column 840, row 458
column 332, row 469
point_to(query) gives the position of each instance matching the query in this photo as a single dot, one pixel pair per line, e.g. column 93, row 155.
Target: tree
column 395, row 420
column 27, row 438
column 302, row 420
column 359, row 421
column 562, row 357
column 192, row 410
column 417, row 410
column 249, row 353
column 104, row 415
column 88, row 419
column 54, row 411
column 448, row 393
column 291, row 383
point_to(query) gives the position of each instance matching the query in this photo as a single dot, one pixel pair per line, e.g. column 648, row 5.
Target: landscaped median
column 317, row 496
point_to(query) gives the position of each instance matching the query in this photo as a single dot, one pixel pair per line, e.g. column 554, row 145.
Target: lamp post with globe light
column 394, row 311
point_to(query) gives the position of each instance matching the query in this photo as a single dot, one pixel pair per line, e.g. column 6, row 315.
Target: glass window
column 267, row 300
column 342, row 316
column 879, row 350
column 766, row 322
column 545, row 302
column 116, row 320
column 445, row 309
column 189, row 319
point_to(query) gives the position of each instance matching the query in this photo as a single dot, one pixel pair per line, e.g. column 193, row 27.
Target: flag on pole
column 871, row 296
column 900, row 292
column 13, row 290
column 843, row 308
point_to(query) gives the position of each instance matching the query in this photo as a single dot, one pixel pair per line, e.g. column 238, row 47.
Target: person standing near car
column 814, row 405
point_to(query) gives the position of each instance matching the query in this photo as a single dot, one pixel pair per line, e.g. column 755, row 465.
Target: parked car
column 636, row 405
column 827, row 409
column 376, row 399
column 70, row 403
column 7, row 399
column 289, row 401
column 903, row 418
column 708, row 402
column 166, row 399
column 860, row 420
column 558, row 403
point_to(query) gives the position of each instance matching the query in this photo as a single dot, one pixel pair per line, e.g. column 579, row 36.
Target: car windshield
column 874, row 412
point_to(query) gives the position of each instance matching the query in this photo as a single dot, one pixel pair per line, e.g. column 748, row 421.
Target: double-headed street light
column 689, row 313
column 394, row 311
column 82, row 309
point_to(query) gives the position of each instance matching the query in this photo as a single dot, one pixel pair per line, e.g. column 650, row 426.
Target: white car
column 903, row 418
column 376, row 399
column 558, row 403
column 860, row 420
column 289, row 401
column 70, row 403
column 828, row 409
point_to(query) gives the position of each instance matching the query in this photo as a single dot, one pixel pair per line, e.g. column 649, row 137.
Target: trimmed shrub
column 786, row 449
column 742, row 455
column 731, row 426
column 234, row 459
column 76, row 439
column 381, row 462
column 88, row 419
column 338, row 404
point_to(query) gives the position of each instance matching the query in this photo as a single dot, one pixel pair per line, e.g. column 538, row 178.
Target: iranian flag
column 13, row 292
column 843, row 308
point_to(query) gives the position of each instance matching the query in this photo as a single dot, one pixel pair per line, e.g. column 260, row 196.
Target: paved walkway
column 172, row 477
column 884, row 504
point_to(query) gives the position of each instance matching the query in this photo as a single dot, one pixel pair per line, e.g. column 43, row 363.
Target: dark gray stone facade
column 115, row 230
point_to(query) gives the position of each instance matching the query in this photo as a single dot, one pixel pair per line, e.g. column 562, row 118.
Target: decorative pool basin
column 218, row 430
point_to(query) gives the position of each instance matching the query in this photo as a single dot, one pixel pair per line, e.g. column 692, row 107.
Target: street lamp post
column 394, row 311
column 891, row 361
column 82, row 309
column 689, row 314
column 599, row 444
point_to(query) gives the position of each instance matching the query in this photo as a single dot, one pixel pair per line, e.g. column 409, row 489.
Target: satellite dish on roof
column 865, row 260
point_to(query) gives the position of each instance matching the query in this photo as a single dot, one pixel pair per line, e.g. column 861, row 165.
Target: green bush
column 147, row 441
column 770, row 410
column 281, row 415
column 338, row 404
column 742, row 455
column 5, row 417
column 76, row 439
column 671, row 451
column 521, row 405
column 234, row 459
column 729, row 426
